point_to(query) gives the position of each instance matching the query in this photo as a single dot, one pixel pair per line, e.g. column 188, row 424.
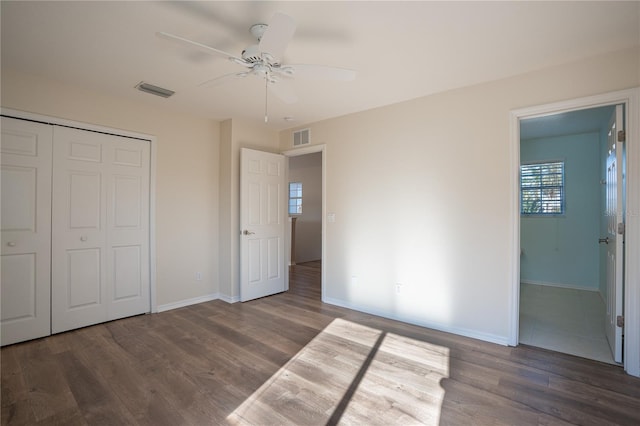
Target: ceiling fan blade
column 275, row 39
column 317, row 72
column 199, row 46
column 284, row 91
column 223, row 78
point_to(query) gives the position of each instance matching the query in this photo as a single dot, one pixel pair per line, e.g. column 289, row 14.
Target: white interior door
column 615, row 220
column 100, row 238
column 26, row 230
column 262, row 221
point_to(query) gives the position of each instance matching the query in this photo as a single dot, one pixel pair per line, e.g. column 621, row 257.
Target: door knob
column 11, row 243
column 603, row 240
column 83, row 238
column 247, row 232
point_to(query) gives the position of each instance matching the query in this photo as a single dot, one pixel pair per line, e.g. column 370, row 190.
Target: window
column 542, row 188
column 295, row 198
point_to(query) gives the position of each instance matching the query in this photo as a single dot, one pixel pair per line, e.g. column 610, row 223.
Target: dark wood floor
column 290, row 359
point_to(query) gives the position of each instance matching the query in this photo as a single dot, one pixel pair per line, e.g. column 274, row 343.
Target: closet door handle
column 11, row 243
column 83, row 238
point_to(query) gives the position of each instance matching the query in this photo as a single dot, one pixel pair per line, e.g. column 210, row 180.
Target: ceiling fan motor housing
column 252, row 54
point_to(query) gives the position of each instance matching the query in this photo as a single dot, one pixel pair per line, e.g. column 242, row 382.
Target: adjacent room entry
column 571, row 232
column 264, row 218
column 75, row 228
column 305, row 207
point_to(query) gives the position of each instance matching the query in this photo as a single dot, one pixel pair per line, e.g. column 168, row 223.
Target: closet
column 75, row 228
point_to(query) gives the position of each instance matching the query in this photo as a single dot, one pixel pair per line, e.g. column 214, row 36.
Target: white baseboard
column 229, row 299
column 487, row 337
column 188, row 302
column 560, row 285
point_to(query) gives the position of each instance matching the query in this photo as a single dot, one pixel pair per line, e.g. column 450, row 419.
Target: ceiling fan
column 264, row 59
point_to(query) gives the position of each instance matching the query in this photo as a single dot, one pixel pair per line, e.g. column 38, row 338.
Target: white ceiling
column 401, row 50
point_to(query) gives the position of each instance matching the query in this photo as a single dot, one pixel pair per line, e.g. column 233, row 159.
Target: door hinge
column 622, row 136
column 620, row 321
column 621, row 228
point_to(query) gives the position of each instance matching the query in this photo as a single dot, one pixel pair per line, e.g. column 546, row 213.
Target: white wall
column 308, row 170
column 187, row 174
column 421, row 196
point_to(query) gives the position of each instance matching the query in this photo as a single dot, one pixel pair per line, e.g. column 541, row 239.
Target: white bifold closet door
column 75, row 228
column 100, row 228
column 25, row 284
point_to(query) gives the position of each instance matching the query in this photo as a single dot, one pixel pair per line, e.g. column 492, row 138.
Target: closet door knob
column 11, row 243
column 83, row 238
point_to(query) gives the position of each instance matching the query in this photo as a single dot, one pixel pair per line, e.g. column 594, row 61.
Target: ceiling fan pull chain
column 266, row 93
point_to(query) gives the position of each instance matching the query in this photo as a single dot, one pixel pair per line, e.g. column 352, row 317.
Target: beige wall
column 187, row 174
column 236, row 134
column 421, row 193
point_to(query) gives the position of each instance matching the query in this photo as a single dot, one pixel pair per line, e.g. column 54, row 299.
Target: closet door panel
column 26, row 150
column 79, row 235
column 84, row 278
column 128, row 227
column 85, row 209
column 100, row 228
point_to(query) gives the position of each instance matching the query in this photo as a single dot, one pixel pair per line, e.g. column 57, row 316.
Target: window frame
column 562, row 186
column 299, row 204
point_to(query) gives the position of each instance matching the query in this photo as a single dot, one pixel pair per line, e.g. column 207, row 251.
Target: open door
column 262, row 222
column 614, row 212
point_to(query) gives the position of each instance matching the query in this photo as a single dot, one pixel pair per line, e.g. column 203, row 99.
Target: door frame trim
column 312, row 149
column 630, row 98
column 46, row 119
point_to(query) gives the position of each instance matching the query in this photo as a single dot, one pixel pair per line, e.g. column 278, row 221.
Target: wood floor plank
column 136, row 392
column 291, row 359
column 97, row 403
column 48, row 390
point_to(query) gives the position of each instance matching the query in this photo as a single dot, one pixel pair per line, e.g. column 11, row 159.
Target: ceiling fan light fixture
column 154, row 90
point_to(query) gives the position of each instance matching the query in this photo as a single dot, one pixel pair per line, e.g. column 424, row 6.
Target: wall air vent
column 154, row 90
column 301, row 137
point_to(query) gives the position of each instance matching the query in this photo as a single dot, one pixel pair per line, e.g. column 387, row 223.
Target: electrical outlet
column 198, row 276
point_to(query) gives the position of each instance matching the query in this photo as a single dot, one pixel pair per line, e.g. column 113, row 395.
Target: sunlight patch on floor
column 353, row 374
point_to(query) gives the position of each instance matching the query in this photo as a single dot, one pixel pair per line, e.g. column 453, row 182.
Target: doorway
column 307, row 233
column 631, row 298
column 305, row 187
column 563, row 279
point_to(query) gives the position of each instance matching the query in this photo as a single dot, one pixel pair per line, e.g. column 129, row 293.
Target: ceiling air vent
column 154, row 90
column 301, row 137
